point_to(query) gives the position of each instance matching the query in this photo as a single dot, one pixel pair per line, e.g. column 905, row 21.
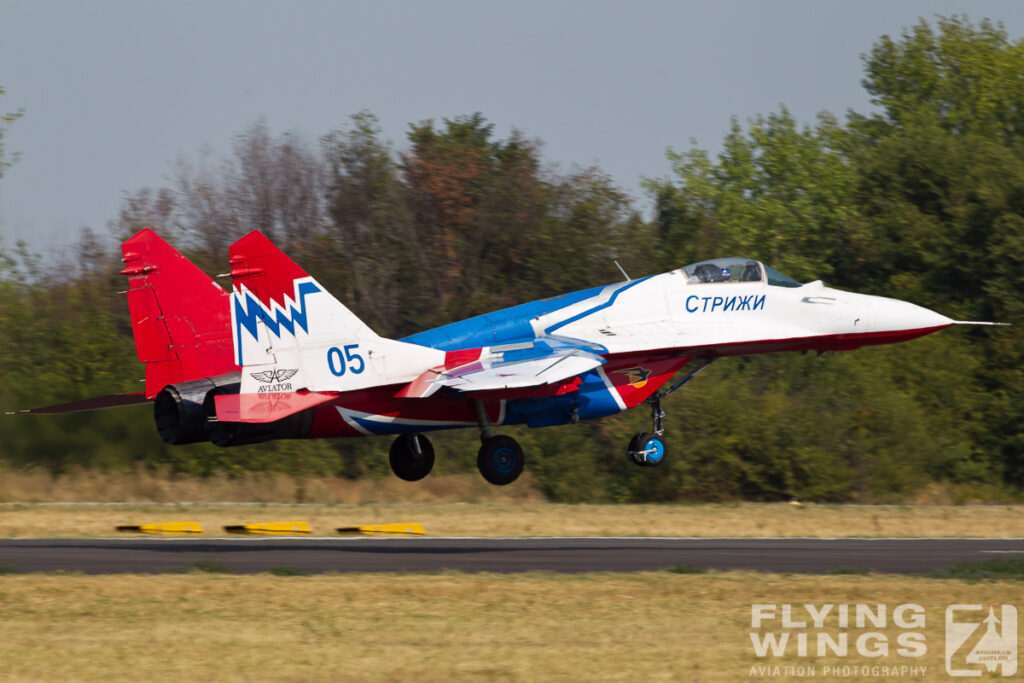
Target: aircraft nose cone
column 892, row 315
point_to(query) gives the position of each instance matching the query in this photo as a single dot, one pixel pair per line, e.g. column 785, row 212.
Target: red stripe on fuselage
column 828, row 342
column 635, row 378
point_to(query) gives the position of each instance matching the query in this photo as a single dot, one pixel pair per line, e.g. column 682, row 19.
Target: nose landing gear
column 647, row 449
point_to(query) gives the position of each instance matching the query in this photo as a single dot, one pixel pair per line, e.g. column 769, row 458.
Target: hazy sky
column 115, row 91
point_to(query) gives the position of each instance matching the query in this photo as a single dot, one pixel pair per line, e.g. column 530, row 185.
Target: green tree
column 495, row 230
column 920, row 202
column 369, row 231
column 942, row 181
column 962, row 76
column 5, row 121
column 777, row 191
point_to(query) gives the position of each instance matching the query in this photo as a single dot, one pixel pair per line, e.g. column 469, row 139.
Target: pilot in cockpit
column 751, row 272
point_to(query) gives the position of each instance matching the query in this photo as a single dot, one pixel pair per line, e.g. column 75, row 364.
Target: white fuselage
column 666, row 312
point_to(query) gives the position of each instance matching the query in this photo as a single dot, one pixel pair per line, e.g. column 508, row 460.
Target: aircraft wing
column 511, row 366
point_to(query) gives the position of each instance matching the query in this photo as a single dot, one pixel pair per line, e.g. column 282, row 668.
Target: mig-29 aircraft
column 280, row 358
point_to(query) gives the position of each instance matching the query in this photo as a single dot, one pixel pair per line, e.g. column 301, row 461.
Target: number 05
column 338, row 362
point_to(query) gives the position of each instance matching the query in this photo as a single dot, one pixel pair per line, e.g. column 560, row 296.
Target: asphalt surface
column 317, row 555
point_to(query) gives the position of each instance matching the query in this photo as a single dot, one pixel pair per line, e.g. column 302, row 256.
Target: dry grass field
column 448, row 626
column 528, row 518
column 442, row 627
column 145, row 485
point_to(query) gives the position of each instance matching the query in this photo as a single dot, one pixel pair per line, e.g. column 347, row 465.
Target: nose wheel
column 647, row 449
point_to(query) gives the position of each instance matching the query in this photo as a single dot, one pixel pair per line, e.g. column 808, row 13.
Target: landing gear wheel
column 646, row 450
column 500, row 460
column 632, row 448
column 411, row 456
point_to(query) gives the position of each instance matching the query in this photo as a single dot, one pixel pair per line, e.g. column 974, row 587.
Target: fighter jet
column 279, row 357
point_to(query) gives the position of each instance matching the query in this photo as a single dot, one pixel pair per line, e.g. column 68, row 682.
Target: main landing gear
column 411, row 456
column 500, row 458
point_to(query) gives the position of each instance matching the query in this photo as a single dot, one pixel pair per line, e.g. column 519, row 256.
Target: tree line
column 921, row 199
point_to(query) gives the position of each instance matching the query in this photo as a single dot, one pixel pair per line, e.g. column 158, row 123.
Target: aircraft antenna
column 624, row 273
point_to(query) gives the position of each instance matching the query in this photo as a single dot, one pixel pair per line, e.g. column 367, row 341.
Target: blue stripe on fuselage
column 596, row 398
column 497, row 327
column 599, row 307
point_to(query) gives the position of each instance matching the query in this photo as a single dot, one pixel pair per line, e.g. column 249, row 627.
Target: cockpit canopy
column 736, row 270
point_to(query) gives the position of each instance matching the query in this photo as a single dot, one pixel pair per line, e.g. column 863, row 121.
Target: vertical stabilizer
column 291, row 334
column 180, row 316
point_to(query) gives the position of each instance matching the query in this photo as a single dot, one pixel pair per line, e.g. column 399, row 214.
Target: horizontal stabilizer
column 268, row 407
column 108, row 401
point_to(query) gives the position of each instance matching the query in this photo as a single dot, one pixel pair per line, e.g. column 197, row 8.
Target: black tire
column 500, row 460
column 406, row 462
column 632, row 448
column 643, row 442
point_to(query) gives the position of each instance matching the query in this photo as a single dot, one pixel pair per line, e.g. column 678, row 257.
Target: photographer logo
column 980, row 642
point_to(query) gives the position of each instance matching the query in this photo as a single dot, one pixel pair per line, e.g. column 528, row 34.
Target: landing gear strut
column 411, row 456
column 500, row 458
column 648, row 448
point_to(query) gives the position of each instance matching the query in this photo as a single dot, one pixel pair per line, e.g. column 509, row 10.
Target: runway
column 573, row 555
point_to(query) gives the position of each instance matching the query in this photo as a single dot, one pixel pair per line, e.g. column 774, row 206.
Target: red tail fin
column 180, row 317
column 277, row 306
column 264, row 269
